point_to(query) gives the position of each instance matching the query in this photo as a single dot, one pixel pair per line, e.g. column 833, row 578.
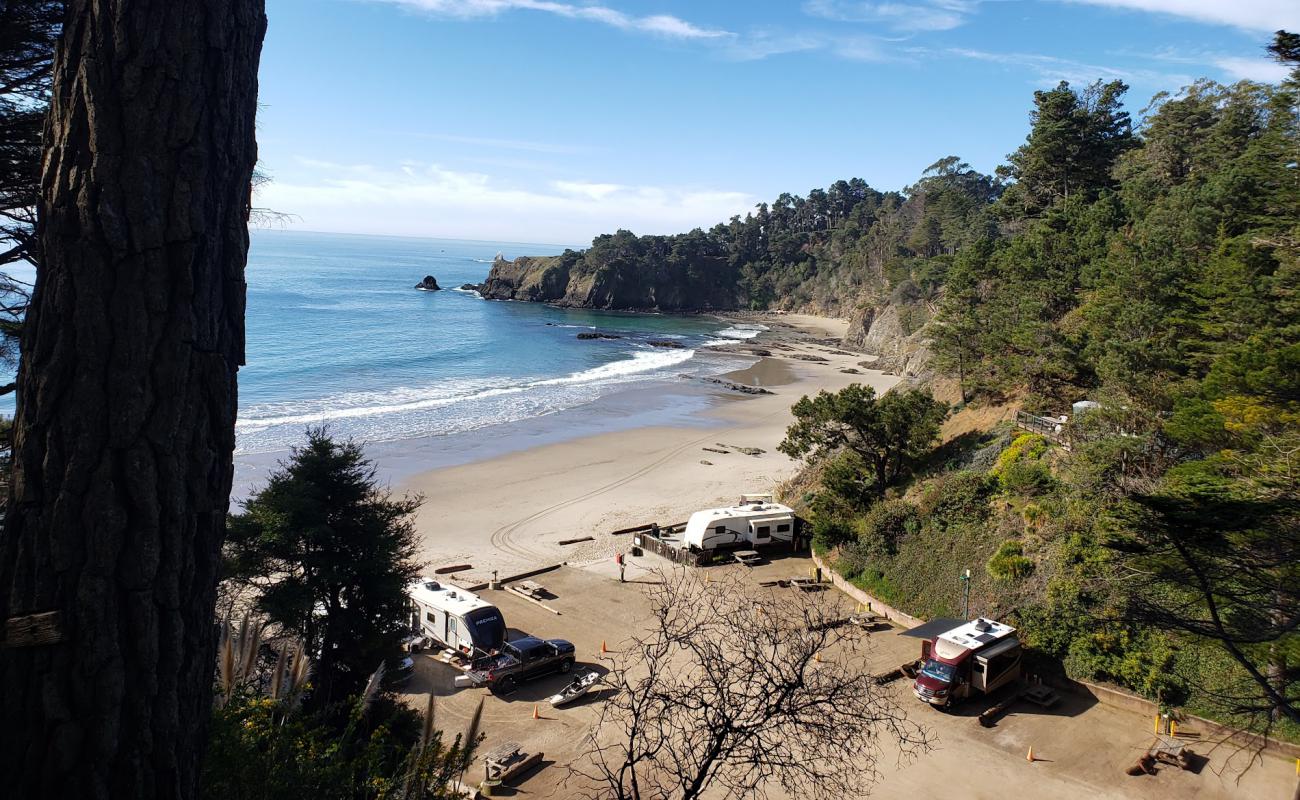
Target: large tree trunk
column 127, row 398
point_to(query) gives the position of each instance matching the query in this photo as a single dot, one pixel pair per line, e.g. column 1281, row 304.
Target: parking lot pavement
column 1081, row 747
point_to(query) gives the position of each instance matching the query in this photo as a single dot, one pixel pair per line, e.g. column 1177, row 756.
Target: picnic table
column 529, row 589
column 508, row 760
column 1041, row 695
column 747, row 557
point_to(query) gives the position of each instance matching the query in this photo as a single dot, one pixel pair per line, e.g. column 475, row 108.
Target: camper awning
column 933, row 628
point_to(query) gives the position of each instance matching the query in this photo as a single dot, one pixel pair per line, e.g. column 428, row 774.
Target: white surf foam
column 739, row 332
column 354, row 405
column 742, row 330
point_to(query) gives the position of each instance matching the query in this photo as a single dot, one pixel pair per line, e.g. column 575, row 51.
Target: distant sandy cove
column 510, row 512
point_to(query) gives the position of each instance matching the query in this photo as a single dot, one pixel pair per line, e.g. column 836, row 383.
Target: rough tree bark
column 127, row 398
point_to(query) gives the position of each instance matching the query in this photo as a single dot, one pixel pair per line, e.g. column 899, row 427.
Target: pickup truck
column 522, row 660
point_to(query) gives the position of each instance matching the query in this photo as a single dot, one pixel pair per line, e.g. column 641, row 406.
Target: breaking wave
column 458, row 405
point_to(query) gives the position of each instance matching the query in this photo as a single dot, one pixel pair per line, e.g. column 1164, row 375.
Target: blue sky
column 555, row 120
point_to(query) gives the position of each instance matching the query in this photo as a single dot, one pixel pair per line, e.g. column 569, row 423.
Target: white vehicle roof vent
column 432, row 586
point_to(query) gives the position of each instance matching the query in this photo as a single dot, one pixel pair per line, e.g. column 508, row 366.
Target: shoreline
column 665, row 401
column 503, row 497
column 509, row 512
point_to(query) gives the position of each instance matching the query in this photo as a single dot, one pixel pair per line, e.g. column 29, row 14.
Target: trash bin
column 636, row 551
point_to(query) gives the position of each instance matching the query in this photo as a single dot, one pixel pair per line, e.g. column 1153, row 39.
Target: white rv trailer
column 459, row 619
column 756, row 520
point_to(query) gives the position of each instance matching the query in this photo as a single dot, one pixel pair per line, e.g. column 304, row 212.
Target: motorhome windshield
column 486, row 628
column 939, row 671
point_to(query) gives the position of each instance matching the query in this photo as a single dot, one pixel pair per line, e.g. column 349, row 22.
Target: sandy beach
column 509, row 513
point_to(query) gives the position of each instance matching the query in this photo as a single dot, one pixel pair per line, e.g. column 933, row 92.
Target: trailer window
column 784, row 527
column 428, row 615
column 762, row 532
column 720, row 529
column 1002, row 662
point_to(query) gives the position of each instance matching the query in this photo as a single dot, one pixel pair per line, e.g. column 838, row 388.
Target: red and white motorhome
column 975, row 657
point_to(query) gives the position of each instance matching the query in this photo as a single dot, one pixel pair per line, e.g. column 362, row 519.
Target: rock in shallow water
column 429, row 284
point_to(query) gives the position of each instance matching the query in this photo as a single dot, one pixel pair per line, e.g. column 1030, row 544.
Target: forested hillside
column 828, row 252
column 1151, row 267
column 1153, row 540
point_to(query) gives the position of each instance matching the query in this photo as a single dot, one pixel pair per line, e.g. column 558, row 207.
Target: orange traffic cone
column 817, row 656
column 603, row 648
column 535, row 714
column 1030, row 755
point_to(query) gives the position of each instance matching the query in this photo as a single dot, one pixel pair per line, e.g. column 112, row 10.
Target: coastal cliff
column 880, row 258
column 896, row 331
column 619, row 272
column 893, row 327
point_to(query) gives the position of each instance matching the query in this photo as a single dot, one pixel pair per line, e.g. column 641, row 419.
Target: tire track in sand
column 506, row 539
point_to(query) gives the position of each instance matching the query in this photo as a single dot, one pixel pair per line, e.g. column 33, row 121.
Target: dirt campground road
column 1082, row 747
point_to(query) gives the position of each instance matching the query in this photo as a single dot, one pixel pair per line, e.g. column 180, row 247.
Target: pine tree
column 331, row 554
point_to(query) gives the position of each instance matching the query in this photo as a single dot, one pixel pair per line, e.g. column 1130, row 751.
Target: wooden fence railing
column 1047, row 427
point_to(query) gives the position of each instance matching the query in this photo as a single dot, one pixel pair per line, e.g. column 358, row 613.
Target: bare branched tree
column 731, row 690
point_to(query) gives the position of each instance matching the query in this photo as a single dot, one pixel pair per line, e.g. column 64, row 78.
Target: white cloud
column 431, row 200
column 658, row 24
column 1050, row 69
column 593, row 191
column 1238, row 68
column 935, row 15
column 1254, row 15
column 1253, row 69
column 758, row 45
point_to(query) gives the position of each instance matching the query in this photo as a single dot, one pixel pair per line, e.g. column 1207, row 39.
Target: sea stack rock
column 429, row 284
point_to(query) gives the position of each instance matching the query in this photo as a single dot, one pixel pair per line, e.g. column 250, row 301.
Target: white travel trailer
column 458, row 619
column 755, row 521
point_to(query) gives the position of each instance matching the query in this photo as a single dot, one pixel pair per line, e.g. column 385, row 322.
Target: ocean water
column 337, row 335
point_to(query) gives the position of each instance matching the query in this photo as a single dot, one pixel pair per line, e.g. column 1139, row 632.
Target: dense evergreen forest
column 1155, row 544
column 1149, row 265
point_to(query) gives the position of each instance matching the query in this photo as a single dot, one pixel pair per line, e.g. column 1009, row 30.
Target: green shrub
column 886, row 524
column 830, row 532
column 1025, row 447
column 370, row 748
column 847, row 478
column 1009, row 562
column 957, row 497
column 855, row 559
column 1140, row 659
column 1027, row 478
